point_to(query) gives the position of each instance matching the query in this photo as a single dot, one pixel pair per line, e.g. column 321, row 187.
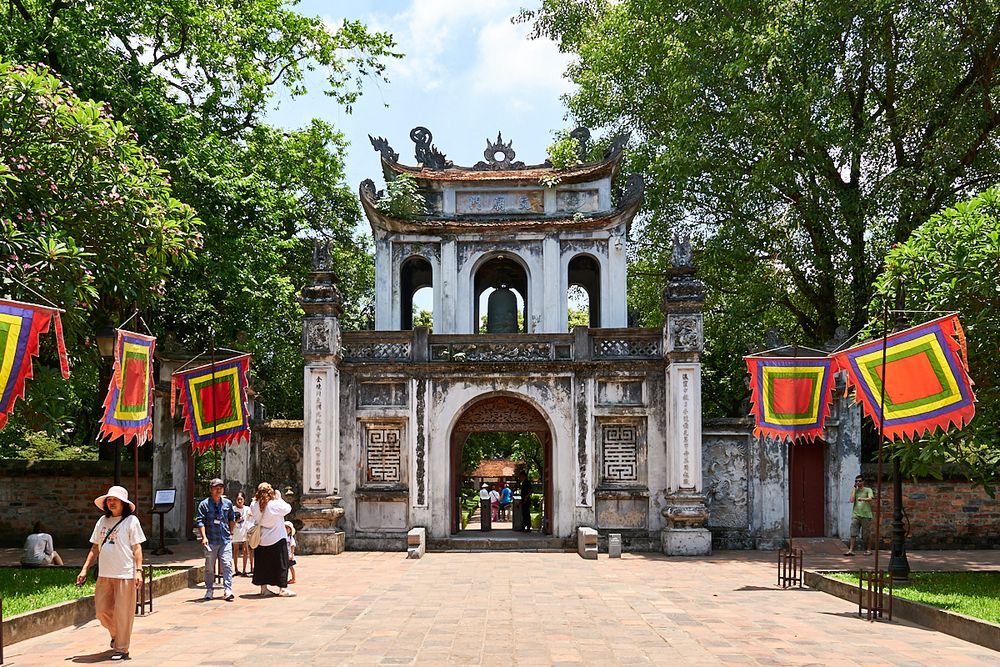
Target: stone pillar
column 683, row 341
column 320, row 509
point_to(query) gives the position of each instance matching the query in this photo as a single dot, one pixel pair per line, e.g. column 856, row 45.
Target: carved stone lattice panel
column 383, row 452
column 492, row 352
column 725, row 467
column 627, row 348
column 619, row 453
column 501, row 413
column 379, row 351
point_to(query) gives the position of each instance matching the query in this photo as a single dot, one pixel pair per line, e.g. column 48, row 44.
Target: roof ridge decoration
column 506, row 164
column 381, row 145
column 427, row 153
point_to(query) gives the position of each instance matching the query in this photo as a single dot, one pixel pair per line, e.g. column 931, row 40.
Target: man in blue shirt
column 506, row 496
column 216, row 522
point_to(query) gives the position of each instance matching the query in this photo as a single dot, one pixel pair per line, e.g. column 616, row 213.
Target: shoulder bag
column 253, row 534
column 96, row 568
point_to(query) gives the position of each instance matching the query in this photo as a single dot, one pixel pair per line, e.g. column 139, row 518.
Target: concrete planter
column 77, row 612
column 970, row 629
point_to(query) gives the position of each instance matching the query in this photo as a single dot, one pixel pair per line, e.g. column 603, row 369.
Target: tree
column 798, row 141
column 194, row 80
column 952, row 263
column 88, row 222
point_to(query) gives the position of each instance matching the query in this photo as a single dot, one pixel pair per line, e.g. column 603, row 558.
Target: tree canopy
column 189, row 84
column 798, row 141
column 952, row 263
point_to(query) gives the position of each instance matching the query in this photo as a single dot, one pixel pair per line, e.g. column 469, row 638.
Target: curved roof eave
column 625, row 211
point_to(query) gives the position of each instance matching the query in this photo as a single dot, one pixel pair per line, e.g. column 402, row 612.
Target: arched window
column 504, row 281
column 415, row 276
column 585, row 276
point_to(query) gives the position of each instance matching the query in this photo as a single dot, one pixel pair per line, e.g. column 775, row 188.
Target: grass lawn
column 27, row 590
column 970, row 593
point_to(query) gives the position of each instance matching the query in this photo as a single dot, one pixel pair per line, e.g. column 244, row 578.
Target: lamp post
column 899, row 566
column 106, row 346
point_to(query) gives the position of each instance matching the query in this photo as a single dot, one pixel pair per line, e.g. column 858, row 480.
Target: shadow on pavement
column 92, row 657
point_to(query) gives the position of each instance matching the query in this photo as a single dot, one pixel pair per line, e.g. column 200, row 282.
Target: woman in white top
column 39, row 550
column 117, row 547
column 271, row 555
column 243, row 522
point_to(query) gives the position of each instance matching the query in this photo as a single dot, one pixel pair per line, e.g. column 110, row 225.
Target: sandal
column 120, row 655
column 848, row 553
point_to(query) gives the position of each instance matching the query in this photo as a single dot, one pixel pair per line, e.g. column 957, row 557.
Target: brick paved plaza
column 520, row 609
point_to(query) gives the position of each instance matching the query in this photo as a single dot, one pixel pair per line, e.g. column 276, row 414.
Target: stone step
column 501, row 542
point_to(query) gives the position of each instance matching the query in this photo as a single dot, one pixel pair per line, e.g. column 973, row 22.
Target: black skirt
column 270, row 565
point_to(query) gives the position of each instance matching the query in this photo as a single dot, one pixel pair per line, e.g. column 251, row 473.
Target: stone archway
column 505, row 414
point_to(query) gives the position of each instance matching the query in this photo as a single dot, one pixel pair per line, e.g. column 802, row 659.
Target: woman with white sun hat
column 116, row 545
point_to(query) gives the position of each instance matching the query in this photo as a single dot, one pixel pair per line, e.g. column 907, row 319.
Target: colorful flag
column 214, row 400
column 790, row 397
column 927, row 385
column 128, row 407
column 20, row 326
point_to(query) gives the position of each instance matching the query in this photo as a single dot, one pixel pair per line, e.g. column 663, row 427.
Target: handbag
column 253, row 536
column 95, row 569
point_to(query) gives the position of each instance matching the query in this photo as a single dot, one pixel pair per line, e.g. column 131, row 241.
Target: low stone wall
column 61, row 495
column 964, row 627
column 77, row 612
column 945, row 515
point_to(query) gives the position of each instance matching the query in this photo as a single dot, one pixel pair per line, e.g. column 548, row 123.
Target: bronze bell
column 501, row 311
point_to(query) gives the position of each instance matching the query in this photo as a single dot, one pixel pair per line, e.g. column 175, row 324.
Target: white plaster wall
column 383, row 286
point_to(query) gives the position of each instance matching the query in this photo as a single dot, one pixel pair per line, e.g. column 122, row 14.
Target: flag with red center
column 128, row 406
column 926, row 382
column 790, row 398
column 214, row 402
column 20, row 326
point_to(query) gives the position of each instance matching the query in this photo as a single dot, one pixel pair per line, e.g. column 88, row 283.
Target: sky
column 467, row 73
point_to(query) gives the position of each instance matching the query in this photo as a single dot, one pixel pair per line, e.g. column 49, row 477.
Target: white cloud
column 515, row 68
column 473, row 42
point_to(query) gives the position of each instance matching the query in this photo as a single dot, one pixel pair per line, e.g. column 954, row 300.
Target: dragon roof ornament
column 426, row 152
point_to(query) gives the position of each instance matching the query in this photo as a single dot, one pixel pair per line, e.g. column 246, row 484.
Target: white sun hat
column 119, row 492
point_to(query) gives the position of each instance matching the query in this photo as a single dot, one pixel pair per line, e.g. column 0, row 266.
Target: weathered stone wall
column 948, row 514
column 746, row 480
column 61, row 495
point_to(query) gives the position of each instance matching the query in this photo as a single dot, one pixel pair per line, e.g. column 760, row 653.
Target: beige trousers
column 114, row 600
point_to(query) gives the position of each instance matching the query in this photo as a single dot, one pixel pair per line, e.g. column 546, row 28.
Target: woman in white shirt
column 116, row 545
column 243, row 523
column 38, row 549
column 271, row 555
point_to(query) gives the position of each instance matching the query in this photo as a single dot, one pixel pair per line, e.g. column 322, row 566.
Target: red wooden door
column 807, row 489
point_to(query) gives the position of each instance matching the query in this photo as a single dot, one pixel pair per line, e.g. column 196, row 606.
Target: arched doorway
column 500, row 413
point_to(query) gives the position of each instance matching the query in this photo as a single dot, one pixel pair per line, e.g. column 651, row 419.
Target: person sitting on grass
column 861, row 515
column 38, row 549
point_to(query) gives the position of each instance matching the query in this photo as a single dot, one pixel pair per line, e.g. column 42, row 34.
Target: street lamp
column 106, row 346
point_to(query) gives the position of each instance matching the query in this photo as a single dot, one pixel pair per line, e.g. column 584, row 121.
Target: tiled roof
column 495, row 468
